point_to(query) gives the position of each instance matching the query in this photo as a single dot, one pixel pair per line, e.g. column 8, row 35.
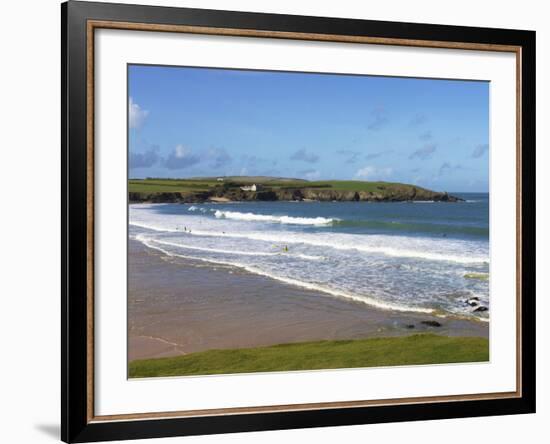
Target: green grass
column 373, row 352
column 208, row 183
column 480, row 276
column 168, row 185
column 358, row 185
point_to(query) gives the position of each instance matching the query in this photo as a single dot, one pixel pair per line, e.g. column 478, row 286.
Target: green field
column 373, row 352
column 358, row 185
column 274, row 183
column 168, row 185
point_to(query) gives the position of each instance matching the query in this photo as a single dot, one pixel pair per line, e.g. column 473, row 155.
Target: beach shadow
column 51, row 430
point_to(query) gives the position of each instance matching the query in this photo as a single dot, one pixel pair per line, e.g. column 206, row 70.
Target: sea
column 427, row 257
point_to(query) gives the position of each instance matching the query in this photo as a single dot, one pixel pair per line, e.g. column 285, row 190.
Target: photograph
column 294, row 221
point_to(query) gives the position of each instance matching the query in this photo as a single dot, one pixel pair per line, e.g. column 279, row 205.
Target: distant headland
column 265, row 188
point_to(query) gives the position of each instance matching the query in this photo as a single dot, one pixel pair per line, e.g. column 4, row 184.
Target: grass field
column 168, row 185
column 209, row 183
column 373, row 352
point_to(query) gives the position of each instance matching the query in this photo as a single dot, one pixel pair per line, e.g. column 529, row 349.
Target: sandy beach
column 178, row 306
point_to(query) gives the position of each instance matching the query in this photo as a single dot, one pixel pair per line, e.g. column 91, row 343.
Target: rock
column 431, row 323
column 472, row 302
column 481, row 308
column 297, row 195
column 266, row 195
column 364, row 195
column 409, row 326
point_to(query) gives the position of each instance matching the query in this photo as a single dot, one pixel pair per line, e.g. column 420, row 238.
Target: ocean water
column 396, row 256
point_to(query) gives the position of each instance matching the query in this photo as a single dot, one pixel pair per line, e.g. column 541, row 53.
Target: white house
column 249, row 187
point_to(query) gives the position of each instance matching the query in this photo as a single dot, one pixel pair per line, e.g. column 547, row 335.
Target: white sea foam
column 235, row 215
column 142, row 238
column 397, row 272
column 306, row 285
column 366, row 244
column 195, row 208
column 153, row 227
column 346, row 242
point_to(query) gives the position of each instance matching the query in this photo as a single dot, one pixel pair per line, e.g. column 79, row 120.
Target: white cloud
column 305, row 156
column 181, row 157
column 218, row 157
column 182, row 151
column 144, row 160
column 136, row 115
column 373, row 173
column 310, row 174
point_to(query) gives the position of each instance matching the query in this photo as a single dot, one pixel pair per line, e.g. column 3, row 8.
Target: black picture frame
column 76, row 423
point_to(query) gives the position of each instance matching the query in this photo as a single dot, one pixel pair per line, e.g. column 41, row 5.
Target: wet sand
column 177, row 306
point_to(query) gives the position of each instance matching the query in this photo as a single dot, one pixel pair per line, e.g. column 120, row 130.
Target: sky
column 188, row 122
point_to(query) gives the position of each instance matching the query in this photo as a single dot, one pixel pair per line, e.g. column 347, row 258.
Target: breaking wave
column 235, row 215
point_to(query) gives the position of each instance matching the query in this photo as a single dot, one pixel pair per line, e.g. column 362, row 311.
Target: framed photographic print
column 275, row 221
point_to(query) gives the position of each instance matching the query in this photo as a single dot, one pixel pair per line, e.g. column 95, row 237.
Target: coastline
column 265, row 188
column 178, row 306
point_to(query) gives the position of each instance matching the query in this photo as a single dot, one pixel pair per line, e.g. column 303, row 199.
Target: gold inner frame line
column 92, row 25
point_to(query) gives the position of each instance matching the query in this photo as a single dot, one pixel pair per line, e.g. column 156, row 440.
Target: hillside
column 276, row 188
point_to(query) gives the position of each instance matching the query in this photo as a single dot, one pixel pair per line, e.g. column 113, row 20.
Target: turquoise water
column 398, row 256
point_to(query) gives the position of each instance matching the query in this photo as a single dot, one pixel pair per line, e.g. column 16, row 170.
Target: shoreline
column 177, row 306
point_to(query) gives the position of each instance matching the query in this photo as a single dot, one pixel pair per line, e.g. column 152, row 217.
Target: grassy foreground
column 372, row 352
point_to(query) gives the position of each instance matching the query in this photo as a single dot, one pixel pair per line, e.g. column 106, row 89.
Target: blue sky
column 187, row 122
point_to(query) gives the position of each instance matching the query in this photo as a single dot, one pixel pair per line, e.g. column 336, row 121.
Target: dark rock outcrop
column 266, row 195
column 431, row 323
